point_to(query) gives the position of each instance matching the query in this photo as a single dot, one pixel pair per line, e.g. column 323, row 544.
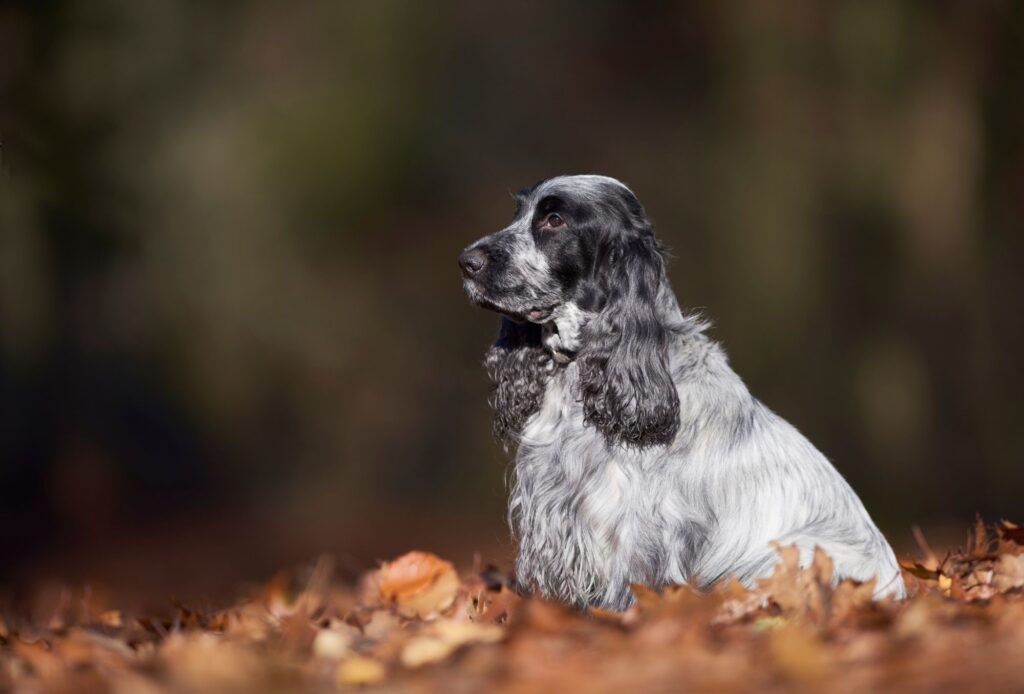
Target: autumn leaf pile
column 417, row 625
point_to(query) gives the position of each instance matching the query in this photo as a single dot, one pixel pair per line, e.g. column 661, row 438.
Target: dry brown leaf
column 381, row 625
column 1011, row 537
column 546, row 616
column 800, row 592
column 296, row 631
column 111, row 618
column 424, row 650
column 646, row 598
column 500, row 605
column 358, row 671
column 444, row 638
column 420, row 584
column 204, row 661
column 852, row 604
column 797, row 654
column 1009, row 573
column 332, row 643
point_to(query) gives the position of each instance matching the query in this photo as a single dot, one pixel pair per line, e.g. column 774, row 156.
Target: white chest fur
column 585, row 516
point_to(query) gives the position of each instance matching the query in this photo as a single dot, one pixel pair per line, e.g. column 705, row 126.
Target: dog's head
column 580, row 254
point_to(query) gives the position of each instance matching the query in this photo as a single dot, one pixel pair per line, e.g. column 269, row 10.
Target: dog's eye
column 553, row 221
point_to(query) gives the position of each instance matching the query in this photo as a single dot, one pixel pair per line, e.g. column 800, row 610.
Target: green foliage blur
column 230, row 312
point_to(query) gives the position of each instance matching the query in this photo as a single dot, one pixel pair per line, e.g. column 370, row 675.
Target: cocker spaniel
column 642, row 457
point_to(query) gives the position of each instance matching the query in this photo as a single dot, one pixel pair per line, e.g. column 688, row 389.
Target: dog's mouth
column 539, row 315
column 533, row 314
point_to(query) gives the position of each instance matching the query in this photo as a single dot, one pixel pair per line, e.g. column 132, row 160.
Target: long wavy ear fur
column 518, row 366
column 626, row 386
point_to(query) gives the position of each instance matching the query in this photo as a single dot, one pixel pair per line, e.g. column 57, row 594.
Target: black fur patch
column 517, row 364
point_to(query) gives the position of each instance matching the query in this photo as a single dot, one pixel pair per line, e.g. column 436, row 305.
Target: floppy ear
column 627, row 390
column 518, row 365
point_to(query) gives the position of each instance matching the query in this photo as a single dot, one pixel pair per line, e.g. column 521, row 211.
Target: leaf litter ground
column 416, row 624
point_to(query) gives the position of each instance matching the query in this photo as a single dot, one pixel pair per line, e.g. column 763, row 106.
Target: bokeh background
column 232, row 333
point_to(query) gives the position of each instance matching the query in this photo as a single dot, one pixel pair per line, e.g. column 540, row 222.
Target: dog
column 641, row 455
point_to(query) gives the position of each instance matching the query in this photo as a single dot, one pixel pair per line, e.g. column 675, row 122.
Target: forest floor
column 417, row 624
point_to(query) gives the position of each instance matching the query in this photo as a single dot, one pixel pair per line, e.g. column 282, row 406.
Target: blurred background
column 232, row 331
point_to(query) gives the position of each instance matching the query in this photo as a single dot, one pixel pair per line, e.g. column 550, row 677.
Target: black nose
column 472, row 262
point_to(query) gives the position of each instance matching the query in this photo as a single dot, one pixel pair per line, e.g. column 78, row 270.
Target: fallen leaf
column 962, row 628
column 460, row 632
column 1009, row 573
column 920, row 571
column 330, row 643
column 359, row 670
column 797, row 654
column 381, row 625
column 423, row 650
column 420, row 584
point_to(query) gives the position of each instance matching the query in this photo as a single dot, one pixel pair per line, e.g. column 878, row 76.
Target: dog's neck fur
column 561, row 334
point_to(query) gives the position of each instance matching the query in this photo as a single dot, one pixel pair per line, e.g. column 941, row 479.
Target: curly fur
column 642, row 457
column 518, row 367
column 627, row 391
